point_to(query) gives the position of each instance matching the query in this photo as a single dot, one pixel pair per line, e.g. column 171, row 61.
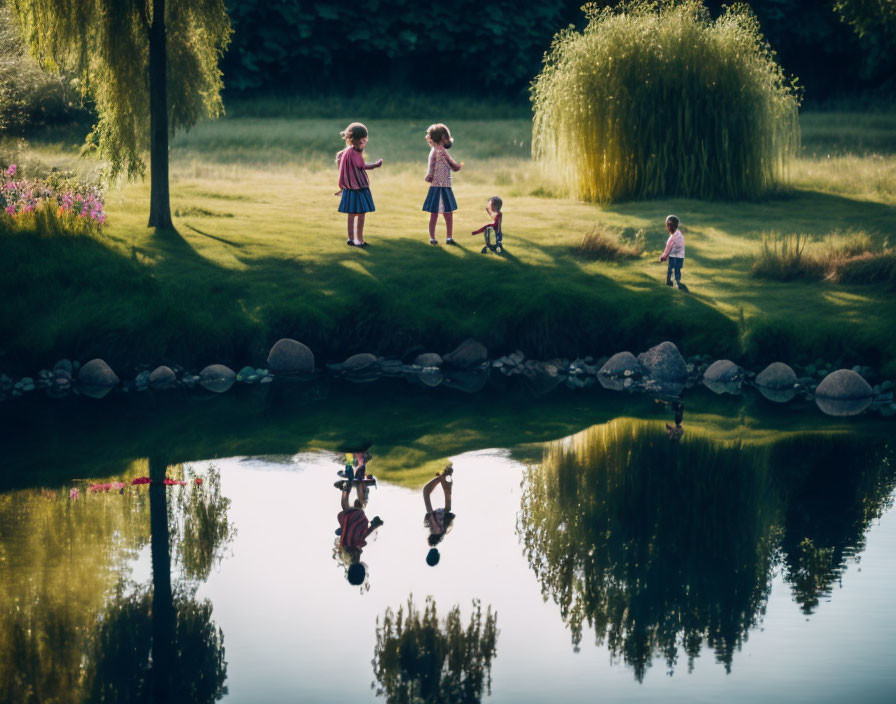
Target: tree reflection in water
column 663, row 547
column 418, row 659
column 74, row 627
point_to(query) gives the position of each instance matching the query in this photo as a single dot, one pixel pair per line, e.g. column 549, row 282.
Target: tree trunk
column 159, row 199
column 163, row 616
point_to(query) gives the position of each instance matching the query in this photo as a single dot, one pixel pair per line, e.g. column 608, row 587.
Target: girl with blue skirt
column 354, row 186
column 440, row 198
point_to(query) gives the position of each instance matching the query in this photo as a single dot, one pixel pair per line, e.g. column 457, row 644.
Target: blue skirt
column 356, row 201
column 440, row 199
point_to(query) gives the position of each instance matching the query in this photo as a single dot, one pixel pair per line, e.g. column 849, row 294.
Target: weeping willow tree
column 657, row 99
column 150, row 66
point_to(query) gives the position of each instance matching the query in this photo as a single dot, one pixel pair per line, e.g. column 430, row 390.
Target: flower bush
column 59, row 192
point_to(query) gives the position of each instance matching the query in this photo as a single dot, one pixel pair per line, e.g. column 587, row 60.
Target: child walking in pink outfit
column 674, row 252
column 354, row 186
column 440, row 198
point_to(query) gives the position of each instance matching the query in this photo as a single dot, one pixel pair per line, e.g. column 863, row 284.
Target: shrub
column 606, row 246
column 784, row 257
column 656, row 99
column 29, row 96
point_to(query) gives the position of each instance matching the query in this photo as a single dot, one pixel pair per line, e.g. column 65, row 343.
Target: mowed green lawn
column 260, row 254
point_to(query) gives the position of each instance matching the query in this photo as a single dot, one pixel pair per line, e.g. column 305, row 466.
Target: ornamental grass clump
column 658, row 99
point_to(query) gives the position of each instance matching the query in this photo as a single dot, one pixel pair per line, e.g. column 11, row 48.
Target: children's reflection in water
column 354, row 528
column 677, row 404
column 440, row 520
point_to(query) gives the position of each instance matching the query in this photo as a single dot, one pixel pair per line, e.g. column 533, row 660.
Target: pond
column 594, row 552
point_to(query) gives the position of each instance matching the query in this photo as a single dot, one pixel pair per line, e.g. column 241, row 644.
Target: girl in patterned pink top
column 440, row 198
column 354, row 186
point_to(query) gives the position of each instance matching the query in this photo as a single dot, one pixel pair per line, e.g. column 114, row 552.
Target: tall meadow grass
column 657, row 99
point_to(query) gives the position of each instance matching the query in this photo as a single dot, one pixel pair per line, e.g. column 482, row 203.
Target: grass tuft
column 847, row 258
column 601, row 244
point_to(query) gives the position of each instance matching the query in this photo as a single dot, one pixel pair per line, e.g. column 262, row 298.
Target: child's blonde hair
column 440, row 133
column 354, row 133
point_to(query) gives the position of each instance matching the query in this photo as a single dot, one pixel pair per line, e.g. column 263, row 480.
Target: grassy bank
column 260, row 254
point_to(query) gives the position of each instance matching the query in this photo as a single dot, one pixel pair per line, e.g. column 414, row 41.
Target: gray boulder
column 619, row 364
column 723, row 371
column 360, row 363
column 290, row 357
column 468, row 354
column 664, row 362
column 98, row 374
column 723, row 376
column 217, row 377
column 843, row 393
column 428, row 359
column 162, row 378
column 776, row 376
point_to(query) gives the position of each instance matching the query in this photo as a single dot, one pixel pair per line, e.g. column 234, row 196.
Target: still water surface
column 615, row 564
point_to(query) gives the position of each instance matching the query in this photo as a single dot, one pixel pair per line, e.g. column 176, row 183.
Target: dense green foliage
column 106, row 46
column 498, row 46
column 661, row 100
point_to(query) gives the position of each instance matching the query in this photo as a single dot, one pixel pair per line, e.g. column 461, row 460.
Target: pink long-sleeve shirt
column 674, row 245
column 440, row 167
column 353, row 170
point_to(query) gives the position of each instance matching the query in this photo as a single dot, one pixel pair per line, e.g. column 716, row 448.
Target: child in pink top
column 674, row 252
column 354, row 186
column 440, row 198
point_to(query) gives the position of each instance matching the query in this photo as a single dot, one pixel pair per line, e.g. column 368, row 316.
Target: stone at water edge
column 362, row 362
column 217, row 377
column 843, row 393
column 97, row 373
column 664, row 362
column 469, row 353
column 723, row 371
column 162, row 378
column 289, row 356
column 428, row 359
column 619, row 364
column 776, row 376
column 723, row 376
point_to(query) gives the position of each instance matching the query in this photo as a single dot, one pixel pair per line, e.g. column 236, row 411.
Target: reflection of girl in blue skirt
column 353, row 182
column 440, row 198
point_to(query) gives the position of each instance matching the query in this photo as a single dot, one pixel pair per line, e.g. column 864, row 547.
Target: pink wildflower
column 11, row 171
column 141, row 480
column 198, row 481
column 11, row 209
column 73, row 494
